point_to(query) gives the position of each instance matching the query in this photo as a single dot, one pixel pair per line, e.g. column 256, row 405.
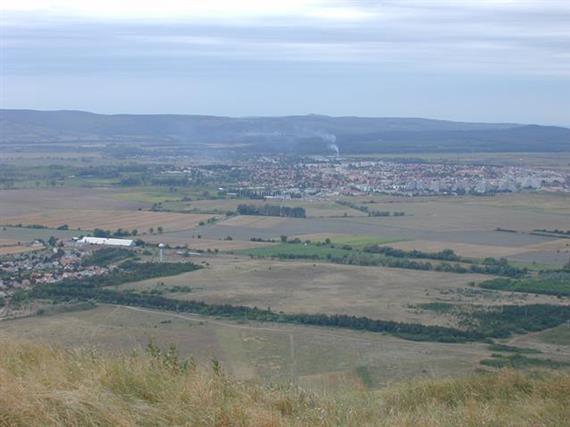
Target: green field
column 537, row 286
column 296, row 250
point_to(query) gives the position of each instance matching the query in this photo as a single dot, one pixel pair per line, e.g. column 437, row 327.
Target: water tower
column 161, row 247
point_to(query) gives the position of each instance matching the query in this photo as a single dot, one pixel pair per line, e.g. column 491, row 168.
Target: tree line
column 378, row 256
column 367, row 210
column 271, row 210
column 410, row 331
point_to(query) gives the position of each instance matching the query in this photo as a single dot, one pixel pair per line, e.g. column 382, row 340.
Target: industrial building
column 106, row 241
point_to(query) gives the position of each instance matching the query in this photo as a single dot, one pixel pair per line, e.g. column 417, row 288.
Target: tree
column 159, row 229
column 284, row 238
column 100, row 233
column 52, row 241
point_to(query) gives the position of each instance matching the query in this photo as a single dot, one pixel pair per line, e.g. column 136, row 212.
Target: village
column 54, row 261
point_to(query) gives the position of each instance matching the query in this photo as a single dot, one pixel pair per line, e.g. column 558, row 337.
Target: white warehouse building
column 106, row 241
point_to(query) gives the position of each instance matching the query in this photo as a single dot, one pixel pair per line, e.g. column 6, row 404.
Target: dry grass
column 463, row 249
column 48, row 387
column 254, row 221
column 13, row 246
column 88, row 219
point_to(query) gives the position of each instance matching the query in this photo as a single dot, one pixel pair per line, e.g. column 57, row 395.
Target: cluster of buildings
column 288, row 177
column 50, row 265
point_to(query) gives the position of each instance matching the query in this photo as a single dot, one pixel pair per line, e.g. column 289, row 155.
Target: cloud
column 481, row 36
column 189, row 10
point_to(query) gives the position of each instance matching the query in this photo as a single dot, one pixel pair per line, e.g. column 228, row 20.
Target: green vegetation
column 361, row 241
column 519, row 361
column 128, row 271
column 557, row 336
column 546, row 283
column 375, row 255
column 444, row 255
column 479, row 323
column 50, row 386
column 297, row 251
column 364, row 375
column 555, row 231
column 503, row 321
column 105, row 256
column 367, row 210
column 161, row 290
column 65, row 292
column 117, row 233
column 511, row 349
column 271, row 210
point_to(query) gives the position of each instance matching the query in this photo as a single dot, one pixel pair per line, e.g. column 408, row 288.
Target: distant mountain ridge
column 301, row 134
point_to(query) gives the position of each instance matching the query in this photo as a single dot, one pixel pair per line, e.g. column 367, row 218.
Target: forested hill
column 313, row 134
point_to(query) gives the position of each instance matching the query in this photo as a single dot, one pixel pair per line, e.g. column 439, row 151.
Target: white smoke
column 334, row 147
column 331, row 140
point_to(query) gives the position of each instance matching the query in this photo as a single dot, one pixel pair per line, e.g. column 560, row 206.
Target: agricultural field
column 194, row 217
column 313, row 208
column 89, row 219
column 15, row 249
column 22, row 202
column 317, row 287
column 26, row 236
column 560, row 246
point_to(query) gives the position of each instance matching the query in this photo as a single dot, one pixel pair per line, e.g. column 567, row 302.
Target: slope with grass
column 43, row 386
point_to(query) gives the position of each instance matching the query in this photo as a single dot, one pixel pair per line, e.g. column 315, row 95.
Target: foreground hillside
column 45, row 386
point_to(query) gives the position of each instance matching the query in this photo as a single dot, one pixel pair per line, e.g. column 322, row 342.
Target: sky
column 472, row 60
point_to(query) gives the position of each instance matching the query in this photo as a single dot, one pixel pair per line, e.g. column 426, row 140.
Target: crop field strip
column 109, row 220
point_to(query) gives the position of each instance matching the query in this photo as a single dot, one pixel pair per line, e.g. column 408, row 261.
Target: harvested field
column 21, row 202
column 17, row 249
column 551, row 259
column 462, row 249
column 481, row 251
column 255, row 222
column 28, row 235
column 86, row 219
column 9, row 242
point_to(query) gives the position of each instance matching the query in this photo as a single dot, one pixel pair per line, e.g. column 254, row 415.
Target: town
column 309, row 177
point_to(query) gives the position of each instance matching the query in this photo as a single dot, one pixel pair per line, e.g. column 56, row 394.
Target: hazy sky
column 487, row 60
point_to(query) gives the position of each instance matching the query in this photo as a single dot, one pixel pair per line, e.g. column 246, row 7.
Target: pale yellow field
column 12, row 246
column 479, row 251
column 17, row 249
column 8, row 242
column 88, row 219
column 254, row 221
column 521, row 212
